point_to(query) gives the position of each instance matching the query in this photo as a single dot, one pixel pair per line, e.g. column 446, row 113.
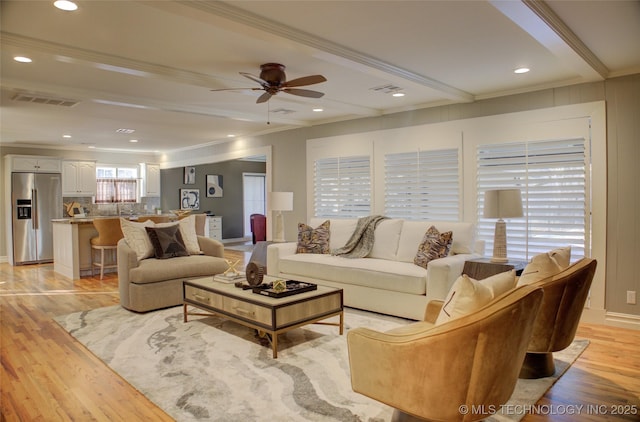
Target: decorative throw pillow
column 466, row 295
column 137, row 238
column 312, row 240
column 167, row 241
column 434, row 245
column 545, row 265
column 188, row 231
column 500, row 283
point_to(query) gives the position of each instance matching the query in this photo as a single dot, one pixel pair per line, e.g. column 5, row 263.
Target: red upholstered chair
column 258, row 227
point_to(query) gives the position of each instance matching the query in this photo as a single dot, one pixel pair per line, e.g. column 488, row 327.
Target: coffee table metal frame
column 269, row 316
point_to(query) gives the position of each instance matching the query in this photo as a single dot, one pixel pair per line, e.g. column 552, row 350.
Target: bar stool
column 109, row 233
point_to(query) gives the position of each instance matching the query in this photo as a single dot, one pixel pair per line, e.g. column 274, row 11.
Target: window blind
column 553, row 176
column 342, row 187
column 422, row 185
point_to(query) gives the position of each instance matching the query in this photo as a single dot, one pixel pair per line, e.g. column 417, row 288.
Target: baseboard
column 623, row 320
column 4, row 259
column 236, row 240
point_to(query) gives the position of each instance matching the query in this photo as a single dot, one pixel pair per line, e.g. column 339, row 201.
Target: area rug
column 211, row 369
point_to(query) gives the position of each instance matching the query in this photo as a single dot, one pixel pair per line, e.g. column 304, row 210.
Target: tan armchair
column 429, row 372
column 564, row 297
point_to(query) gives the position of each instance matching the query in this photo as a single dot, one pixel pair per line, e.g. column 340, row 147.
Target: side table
column 483, row 267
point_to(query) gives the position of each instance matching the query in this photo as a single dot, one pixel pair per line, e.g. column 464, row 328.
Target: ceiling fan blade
column 303, row 92
column 263, row 98
column 305, row 80
column 236, row 89
column 255, row 78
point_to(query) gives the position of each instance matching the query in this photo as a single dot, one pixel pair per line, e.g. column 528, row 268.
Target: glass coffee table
column 270, row 316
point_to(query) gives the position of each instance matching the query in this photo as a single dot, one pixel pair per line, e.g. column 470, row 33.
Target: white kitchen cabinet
column 215, row 227
column 35, row 164
column 150, row 176
column 79, row 178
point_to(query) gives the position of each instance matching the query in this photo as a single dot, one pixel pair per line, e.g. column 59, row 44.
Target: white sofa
column 386, row 281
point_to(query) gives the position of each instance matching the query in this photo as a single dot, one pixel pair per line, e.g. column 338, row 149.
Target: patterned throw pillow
column 137, row 238
column 545, row 265
column 434, row 245
column 167, row 241
column 312, row 240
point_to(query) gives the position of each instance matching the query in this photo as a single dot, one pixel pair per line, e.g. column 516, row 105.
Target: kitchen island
column 72, row 247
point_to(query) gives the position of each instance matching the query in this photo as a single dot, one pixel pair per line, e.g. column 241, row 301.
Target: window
column 553, row 177
column 342, row 187
column 116, row 184
column 422, row 185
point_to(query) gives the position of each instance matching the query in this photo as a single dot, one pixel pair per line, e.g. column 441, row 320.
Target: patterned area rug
column 212, row 369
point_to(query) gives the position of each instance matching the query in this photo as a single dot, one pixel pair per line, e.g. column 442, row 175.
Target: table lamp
column 502, row 203
column 280, row 201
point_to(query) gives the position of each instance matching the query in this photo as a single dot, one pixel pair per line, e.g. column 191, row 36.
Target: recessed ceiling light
column 67, row 5
column 521, row 70
column 133, row 141
column 231, row 135
column 91, row 147
column 398, row 94
column 318, row 109
column 66, row 136
column 122, row 130
column 22, row 59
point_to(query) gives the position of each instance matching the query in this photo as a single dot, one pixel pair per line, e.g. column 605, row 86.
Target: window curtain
column 116, row 191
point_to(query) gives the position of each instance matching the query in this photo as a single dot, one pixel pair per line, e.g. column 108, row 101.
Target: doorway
column 254, row 197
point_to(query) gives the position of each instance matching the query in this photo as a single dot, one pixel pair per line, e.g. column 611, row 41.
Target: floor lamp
column 280, row 201
column 502, row 203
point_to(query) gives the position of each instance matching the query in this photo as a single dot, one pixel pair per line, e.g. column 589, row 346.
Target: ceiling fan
column 273, row 80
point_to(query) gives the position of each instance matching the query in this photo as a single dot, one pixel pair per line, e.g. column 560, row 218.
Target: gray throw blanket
column 361, row 241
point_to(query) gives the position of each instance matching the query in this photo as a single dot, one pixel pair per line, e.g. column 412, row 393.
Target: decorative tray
column 293, row 287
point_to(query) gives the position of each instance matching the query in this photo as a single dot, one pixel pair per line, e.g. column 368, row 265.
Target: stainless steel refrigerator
column 36, row 199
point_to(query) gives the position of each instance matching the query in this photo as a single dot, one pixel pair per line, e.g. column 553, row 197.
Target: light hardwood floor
column 46, row 375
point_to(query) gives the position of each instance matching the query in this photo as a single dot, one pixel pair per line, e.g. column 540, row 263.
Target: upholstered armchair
column 428, row 371
column 555, row 327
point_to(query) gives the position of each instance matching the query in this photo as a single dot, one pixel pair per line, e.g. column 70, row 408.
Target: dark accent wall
column 230, row 206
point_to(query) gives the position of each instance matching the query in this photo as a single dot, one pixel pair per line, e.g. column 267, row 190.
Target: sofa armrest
column 211, row 247
column 443, row 272
column 433, row 310
column 127, row 259
column 275, row 251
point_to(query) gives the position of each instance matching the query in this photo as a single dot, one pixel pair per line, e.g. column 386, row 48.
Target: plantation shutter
column 342, row 187
column 422, row 185
column 553, row 177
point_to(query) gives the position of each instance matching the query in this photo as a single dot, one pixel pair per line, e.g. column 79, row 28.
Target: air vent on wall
column 44, row 99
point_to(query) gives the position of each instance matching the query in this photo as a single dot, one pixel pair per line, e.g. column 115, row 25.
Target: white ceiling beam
column 544, row 25
column 261, row 23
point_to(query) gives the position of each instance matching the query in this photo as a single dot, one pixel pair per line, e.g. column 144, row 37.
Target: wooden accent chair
column 555, row 328
column 109, row 233
column 258, row 224
column 428, row 371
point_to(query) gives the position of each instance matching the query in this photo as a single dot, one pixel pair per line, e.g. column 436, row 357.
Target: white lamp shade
column 281, row 201
column 503, row 203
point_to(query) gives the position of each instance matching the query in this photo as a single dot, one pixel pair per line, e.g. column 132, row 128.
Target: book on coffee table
column 229, row 278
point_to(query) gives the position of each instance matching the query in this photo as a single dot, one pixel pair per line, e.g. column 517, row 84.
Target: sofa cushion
column 386, row 238
column 312, row 240
column 412, row 232
column 167, row 242
column 434, row 245
column 368, row 272
column 545, row 265
column 341, row 230
column 137, row 238
column 153, row 270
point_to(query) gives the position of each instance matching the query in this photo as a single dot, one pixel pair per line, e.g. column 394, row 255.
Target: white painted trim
column 4, row 259
column 622, row 320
